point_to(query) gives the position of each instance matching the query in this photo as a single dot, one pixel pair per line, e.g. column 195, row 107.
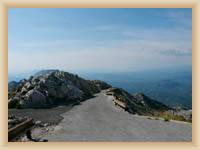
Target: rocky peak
column 54, row 87
column 44, row 72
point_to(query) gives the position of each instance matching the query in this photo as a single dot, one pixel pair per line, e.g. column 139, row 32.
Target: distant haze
column 98, row 40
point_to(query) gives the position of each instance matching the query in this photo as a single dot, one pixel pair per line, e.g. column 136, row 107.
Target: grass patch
column 168, row 117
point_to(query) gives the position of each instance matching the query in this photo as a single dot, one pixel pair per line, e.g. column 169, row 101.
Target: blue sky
column 98, row 40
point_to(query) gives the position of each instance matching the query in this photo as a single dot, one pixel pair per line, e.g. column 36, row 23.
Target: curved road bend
column 97, row 119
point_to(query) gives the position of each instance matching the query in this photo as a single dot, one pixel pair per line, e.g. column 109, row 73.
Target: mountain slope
column 137, row 103
column 50, row 88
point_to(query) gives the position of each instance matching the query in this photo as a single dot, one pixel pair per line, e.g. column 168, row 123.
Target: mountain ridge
column 48, row 88
column 52, row 88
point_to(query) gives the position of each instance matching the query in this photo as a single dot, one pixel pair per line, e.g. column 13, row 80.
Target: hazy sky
column 98, row 40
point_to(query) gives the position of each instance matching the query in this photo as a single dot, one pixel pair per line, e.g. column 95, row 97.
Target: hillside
column 52, row 88
column 138, row 103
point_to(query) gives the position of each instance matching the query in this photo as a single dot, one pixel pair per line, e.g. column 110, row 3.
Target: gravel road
column 98, row 119
column 50, row 115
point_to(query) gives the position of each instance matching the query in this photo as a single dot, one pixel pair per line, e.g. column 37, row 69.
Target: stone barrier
column 18, row 129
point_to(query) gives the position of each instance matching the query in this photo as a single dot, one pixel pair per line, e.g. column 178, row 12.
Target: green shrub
column 168, row 116
column 179, row 118
column 149, row 118
column 166, row 119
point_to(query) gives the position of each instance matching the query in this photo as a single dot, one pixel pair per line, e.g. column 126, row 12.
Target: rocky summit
column 52, row 88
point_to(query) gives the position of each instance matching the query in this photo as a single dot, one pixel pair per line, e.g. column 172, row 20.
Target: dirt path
column 97, row 119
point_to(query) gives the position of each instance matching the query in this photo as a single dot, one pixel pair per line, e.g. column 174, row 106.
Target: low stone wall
column 18, row 129
column 119, row 103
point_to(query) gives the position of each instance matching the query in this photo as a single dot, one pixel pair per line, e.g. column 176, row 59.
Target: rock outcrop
column 137, row 103
column 33, row 98
column 51, row 88
column 101, row 84
column 149, row 102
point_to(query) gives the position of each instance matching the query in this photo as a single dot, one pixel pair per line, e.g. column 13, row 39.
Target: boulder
column 33, row 99
column 24, row 90
column 74, row 92
column 28, row 85
column 38, row 123
column 13, row 102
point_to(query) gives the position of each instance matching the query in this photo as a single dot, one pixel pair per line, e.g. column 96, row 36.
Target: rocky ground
column 44, row 119
column 51, row 115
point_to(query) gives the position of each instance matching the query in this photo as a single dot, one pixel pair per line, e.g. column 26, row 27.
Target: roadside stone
column 45, row 125
column 38, row 123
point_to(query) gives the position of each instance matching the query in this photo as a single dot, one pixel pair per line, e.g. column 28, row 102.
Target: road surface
column 98, row 119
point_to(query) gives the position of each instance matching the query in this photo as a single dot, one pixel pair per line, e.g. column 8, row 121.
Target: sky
column 98, row 40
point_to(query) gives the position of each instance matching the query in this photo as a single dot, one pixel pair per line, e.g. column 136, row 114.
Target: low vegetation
column 169, row 116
